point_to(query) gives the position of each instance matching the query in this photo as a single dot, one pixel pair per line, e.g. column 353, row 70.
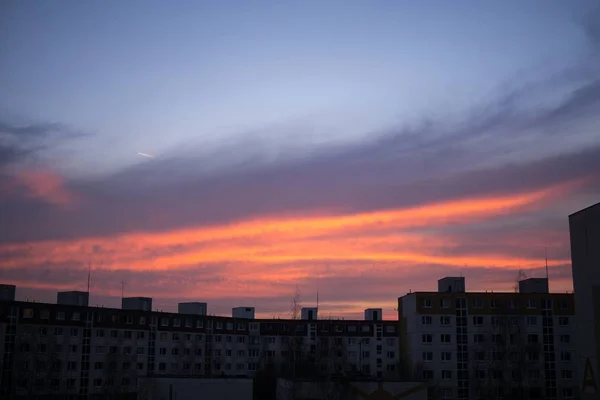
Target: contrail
column 146, row 155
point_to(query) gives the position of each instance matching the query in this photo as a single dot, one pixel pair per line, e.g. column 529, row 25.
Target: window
column 366, row 354
column 176, row 322
column 477, row 303
column 565, row 339
column 163, row 336
column 534, row 374
column 494, row 303
column 140, row 366
column 427, row 356
column 532, row 339
column 71, row 366
column 76, row 316
column 241, row 339
column 447, row 393
column 188, row 337
column 390, row 341
column 113, row 350
column 187, row 352
column 175, row 351
column 60, row 315
column 531, row 303
column 199, row 323
column 28, row 313
column 199, row 338
column 480, row 373
column 427, row 338
column 390, row 329
column 45, row 314
column 162, row 367
column 566, row 374
column 445, row 303
column 446, row 356
column 479, row 355
column 478, row 338
column 140, row 334
column 197, row 366
column 567, row 393
column 129, row 319
column 219, row 325
column 227, row 353
column 253, row 326
column 97, row 382
column 445, row 321
column 229, row 326
column 74, row 332
column 228, row 338
column 162, row 351
column 70, row 383
column 128, row 334
column 140, row 350
column 426, row 303
column 563, row 321
column 478, row 321
column 391, row 354
column 427, row 374
column 72, row 348
column 175, row 336
column 426, row 320
column 218, row 353
column 100, row 333
column 114, row 333
column 563, row 305
column 514, row 305
column 127, row 350
column 446, row 374
column 58, row 331
column 142, row 320
column 164, row 321
column 99, row 349
column 445, row 338
column 531, row 320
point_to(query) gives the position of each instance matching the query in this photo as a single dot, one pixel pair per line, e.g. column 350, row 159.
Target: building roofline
column 585, row 209
column 175, row 314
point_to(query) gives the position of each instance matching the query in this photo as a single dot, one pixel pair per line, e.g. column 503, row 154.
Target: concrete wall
column 585, row 255
column 195, row 388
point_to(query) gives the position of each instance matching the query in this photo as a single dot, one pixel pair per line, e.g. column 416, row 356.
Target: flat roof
column 585, row 209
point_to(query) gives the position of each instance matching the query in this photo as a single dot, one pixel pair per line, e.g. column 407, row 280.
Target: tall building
column 481, row 345
column 584, row 228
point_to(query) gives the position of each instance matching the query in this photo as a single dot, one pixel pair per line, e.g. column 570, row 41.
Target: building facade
column 78, row 351
column 584, row 229
column 473, row 345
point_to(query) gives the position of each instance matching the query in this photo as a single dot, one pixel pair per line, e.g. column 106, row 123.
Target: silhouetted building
column 585, row 255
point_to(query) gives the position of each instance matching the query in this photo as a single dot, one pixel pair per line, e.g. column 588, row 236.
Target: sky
column 358, row 150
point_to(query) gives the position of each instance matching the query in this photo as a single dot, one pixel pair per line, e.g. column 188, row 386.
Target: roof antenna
column 546, row 256
column 89, row 276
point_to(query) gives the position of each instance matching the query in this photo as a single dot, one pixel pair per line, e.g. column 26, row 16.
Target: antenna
column 122, row 289
column 89, row 276
column 546, row 256
column 317, row 299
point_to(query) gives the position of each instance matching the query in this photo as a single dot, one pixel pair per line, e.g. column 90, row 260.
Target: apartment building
column 74, row 350
column 584, row 227
column 472, row 345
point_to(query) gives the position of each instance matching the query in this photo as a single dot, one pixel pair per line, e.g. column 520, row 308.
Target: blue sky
column 148, row 75
column 374, row 143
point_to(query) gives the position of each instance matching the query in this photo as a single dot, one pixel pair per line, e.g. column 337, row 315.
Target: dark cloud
column 19, row 142
column 408, row 167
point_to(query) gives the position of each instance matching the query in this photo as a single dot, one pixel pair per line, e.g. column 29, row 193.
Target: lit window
column 28, row 313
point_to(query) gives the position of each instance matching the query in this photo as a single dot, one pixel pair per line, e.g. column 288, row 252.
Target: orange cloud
column 46, row 186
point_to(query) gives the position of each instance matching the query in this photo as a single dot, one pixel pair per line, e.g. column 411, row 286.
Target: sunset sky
column 358, row 149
